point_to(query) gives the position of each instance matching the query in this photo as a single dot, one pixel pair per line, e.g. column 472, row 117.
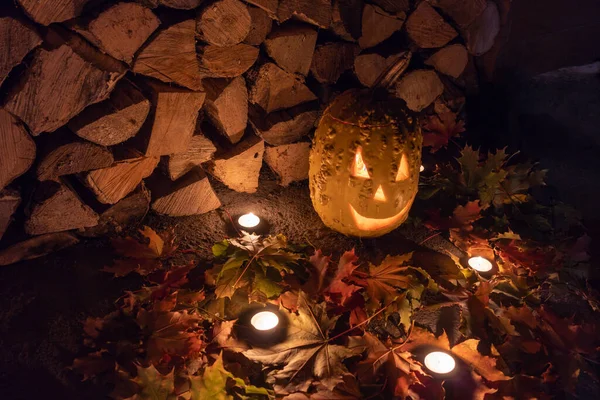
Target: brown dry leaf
column 223, row 335
column 483, row 365
column 339, row 287
column 439, row 129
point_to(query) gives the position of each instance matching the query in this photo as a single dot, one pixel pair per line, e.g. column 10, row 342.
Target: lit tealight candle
column 439, row 362
column 248, row 220
column 421, row 169
column 264, row 320
column 480, row 264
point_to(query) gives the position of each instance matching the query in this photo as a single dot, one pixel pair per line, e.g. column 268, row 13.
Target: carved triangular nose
column 379, row 195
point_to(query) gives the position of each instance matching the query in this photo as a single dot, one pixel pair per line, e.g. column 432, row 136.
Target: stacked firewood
column 118, row 107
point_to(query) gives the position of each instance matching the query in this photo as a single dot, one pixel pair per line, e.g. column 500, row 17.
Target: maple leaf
column 223, row 335
column 582, row 338
column 93, row 364
column 319, row 267
column 526, row 253
column 153, row 385
column 383, row 281
column 143, row 257
column 439, row 129
column 462, row 218
column 213, row 384
column 307, row 351
column 339, row 287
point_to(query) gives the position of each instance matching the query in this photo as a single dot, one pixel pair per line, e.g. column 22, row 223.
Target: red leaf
column 439, row 129
column 341, row 290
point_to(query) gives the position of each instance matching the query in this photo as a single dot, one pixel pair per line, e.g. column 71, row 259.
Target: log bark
column 200, row 151
column 46, row 12
column 463, row 12
column 171, row 56
column 292, row 45
column 174, row 120
column 129, row 211
column 419, row 89
column 115, row 120
column 16, row 41
column 226, row 62
column 428, row 29
column 60, row 83
column 274, row 89
column 189, row 195
column 114, row 183
column 346, row 19
column 227, row 106
column 378, row 25
column 331, row 60
column 289, row 162
column 9, row 202
column 260, row 26
column 368, row 67
column 121, row 30
column 285, row 126
column 393, row 6
column 481, row 34
column 316, row 12
column 239, row 167
column 72, row 158
column 17, row 149
column 224, row 23
column 56, row 208
column 181, row 4
column 450, row 60
column 270, row 6
column 37, row 247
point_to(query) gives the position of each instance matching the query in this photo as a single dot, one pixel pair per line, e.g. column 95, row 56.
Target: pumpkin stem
column 390, row 75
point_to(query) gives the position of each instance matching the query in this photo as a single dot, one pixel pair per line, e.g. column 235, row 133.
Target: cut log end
column 227, row 107
column 9, row 202
column 284, row 127
column 226, row 62
column 289, row 162
column 17, row 149
column 224, row 23
column 260, row 26
column 16, row 41
column 378, row 25
column 73, row 158
column 239, row 167
column 331, row 60
column 450, row 60
column 292, row 46
column 428, row 29
column 200, row 151
column 419, row 89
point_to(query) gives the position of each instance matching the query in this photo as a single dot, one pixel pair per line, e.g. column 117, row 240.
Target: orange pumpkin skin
column 368, row 194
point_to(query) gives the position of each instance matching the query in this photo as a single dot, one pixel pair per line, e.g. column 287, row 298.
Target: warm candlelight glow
column 480, row 264
column 264, row 320
column 439, row 362
column 421, row 169
column 248, row 220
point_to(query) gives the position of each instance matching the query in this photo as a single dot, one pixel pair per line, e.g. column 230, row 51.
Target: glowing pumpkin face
column 364, row 165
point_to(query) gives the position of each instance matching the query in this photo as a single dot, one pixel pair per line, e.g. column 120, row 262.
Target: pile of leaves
column 357, row 329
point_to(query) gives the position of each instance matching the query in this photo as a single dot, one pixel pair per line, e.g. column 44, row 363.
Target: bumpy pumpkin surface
column 364, row 164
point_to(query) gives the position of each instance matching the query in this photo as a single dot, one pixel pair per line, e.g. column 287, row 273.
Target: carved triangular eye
column 403, row 170
column 359, row 169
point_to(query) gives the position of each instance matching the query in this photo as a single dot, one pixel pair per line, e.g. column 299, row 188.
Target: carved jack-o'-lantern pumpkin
column 365, row 160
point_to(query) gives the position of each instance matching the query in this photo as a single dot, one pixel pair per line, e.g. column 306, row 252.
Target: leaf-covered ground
column 358, row 328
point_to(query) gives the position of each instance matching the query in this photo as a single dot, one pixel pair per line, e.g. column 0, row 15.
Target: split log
column 481, row 34
column 129, row 211
column 428, row 29
column 72, row 158
column 463, row 12
column 181, row 4
column 316, row 12
column 274, row 89
column 16, row 41
column 37, row 247
column 292, row 45
column 60, row 83
column 393, row 6
column 149, row 3
column 9, row 202
column 46, row 12
column 227, row 106
column 346, row 16
column 226, row 62
column 239, row 167
column 171, row 56
column 368, row 67
column 189, row 195
column 174, row 120
column 378, row 25
column 260, row 26
column 419, row 89
column 224, row 23
column 121, row 30
column 289, row 162
column 285, row 126
column 17, row 149
column 200, row 151
column 114, row 183
column 331, row 60
column 56, row 208
column 270, row 6
column 450, row 60
column 115, row 120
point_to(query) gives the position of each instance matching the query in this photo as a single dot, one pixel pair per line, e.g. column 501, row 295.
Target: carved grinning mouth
column 371, row 224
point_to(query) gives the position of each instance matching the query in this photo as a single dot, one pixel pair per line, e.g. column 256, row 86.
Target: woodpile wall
column 111, row 108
